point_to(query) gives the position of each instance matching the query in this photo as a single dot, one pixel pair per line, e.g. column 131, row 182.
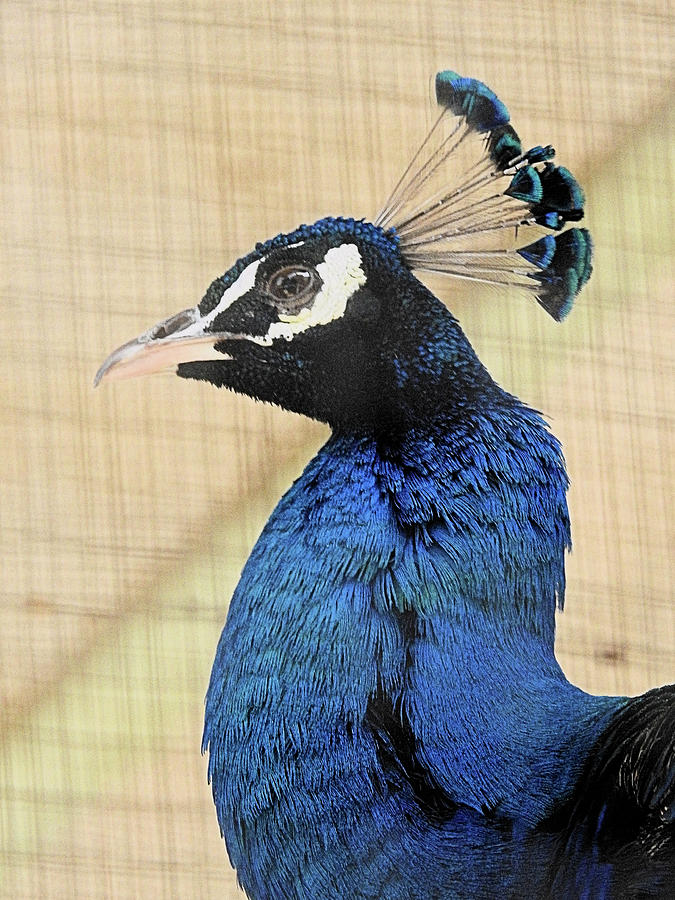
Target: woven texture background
column 143, row 147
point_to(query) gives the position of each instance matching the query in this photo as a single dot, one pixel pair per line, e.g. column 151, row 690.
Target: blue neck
column 481, row 500
column 423, row 575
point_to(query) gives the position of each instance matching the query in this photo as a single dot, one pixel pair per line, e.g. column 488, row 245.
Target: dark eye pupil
column 290, row 285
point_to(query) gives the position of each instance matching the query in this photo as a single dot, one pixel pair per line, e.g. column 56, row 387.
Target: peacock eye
column 293, row 287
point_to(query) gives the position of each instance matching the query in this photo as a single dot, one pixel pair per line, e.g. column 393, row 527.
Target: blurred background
column 144, row 146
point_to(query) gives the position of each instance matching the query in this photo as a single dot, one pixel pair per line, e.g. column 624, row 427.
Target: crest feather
column 470, row 190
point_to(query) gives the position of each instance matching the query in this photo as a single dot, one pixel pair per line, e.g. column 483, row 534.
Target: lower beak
column 175, row 340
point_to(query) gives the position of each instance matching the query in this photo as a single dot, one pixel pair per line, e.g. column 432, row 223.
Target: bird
column 386, row 717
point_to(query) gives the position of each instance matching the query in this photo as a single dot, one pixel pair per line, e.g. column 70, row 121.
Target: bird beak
column 178, row 339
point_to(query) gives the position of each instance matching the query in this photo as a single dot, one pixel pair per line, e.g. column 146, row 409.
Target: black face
column 328, row 321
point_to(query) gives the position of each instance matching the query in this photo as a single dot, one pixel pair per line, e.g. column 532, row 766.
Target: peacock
column 386, row 717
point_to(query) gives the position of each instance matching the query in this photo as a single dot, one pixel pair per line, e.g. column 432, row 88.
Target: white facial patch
column 241, row 286
column 342, row 275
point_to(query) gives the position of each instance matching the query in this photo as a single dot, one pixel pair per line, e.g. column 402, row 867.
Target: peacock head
column 326, row 320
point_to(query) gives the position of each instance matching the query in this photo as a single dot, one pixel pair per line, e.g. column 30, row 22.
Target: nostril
column 176, row 323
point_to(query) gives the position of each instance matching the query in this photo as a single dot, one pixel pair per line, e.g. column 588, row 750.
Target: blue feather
column 526, row 186
column 503, row 146
column 540, row 252
column 472, row 99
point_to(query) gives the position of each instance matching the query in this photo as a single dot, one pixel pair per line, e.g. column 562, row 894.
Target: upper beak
column 178, row 339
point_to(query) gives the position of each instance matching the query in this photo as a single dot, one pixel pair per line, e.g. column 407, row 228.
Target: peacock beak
column 179, row 339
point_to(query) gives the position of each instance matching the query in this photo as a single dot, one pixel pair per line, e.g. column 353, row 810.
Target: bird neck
column 477, row 499
column 476, row 517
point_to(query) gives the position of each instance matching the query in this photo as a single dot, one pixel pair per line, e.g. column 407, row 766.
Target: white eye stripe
column 342, row 275
column 234, row 292
column 231, row 294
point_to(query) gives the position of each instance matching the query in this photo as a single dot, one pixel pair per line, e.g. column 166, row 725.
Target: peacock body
column 386, row 717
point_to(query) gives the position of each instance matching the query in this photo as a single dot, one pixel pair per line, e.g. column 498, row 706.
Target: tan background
column 144, row 146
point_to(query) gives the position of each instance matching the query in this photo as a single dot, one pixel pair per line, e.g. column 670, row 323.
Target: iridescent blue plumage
column 503, row 145
column 526, row 186
column 386, row 718
column 471, row 99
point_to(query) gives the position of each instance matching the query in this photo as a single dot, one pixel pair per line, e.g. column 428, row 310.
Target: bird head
column 327, row 321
